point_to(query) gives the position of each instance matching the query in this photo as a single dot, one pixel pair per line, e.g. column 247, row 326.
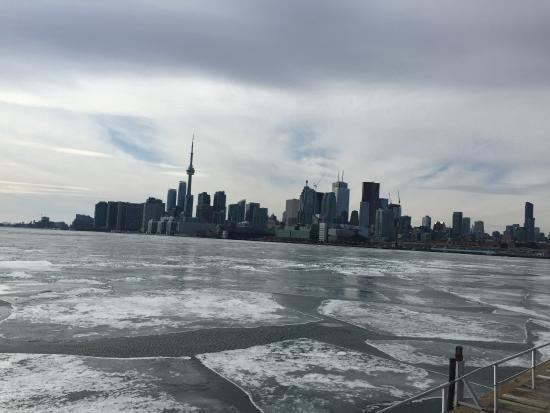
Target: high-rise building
column 236, row 212
column 219, row 207
column 182, row 192
column 204, row 209
column 371, row 194
column 354, row 218
column 457, row 225
column 100, row 216
column 529, row 223
column 396, row 208
column 188, row 212
column 328, row 208
column 341, row 191
column 308, row 205
column 82, row 223
column 112, row 215
column 171, row 200
column 153, row 209
column 466, row 226
column 427, row 222
column 291, row 212
column 383, row 203
column 249, row 211
column 479, row 227
column 129, row 217
column 364, row 215
column 260, row 218
column 384, row 228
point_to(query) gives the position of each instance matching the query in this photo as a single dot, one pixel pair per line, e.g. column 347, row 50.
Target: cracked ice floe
column 421, row 352
column 405, row 321
column 56, row 315
column 63, row 383
column 310, row 376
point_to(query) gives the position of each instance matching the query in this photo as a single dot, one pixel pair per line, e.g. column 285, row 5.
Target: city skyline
column 276, row 101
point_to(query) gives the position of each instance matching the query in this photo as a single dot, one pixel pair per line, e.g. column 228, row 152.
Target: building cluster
column 314, row 216
column 212, row 216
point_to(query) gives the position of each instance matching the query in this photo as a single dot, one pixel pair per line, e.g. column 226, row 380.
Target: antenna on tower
column 342, row 175
column 399, row 197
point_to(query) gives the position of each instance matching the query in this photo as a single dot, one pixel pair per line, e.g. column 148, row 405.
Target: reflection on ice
column 403, row 321
column 307, row 375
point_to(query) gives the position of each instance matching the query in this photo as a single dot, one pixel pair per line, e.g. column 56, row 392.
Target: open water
column 114, row 322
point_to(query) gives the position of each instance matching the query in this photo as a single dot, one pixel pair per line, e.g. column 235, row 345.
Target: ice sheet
column 63, row 383
column 421, row 352
column 405, row 321
column 27, row 265
column 84, row 310
column 307, row 375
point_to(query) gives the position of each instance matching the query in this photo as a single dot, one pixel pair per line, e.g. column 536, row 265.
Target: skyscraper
column 529, row 223
column 219, row 207
column 249, row 211
column 341, row 191
column 204, row 209
column 100, row 216
column 384, row 227
column 182, row 192
column 328, row 208
column 153, row 209
column 371, row 194
column 364, row 215
column 112, row 214
column 188, row 212
column 427, row 222
column 479, row 227
column 354, row 218
column 457, row 225
column 466, row 226
column 171, row 199
column 292, row 211
column 308, row 201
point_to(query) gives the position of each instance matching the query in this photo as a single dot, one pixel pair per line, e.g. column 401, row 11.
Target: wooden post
column 459, row 391
column 452, row 376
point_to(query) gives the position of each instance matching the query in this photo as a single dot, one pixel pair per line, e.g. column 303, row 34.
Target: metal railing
column 457, row 385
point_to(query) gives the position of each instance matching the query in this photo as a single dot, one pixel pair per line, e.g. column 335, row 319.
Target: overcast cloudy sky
column 447, row 102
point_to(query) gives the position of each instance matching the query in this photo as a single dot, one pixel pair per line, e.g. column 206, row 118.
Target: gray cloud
column 284, row 43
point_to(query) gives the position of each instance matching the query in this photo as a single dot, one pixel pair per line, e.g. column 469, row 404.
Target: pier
column 527, row 391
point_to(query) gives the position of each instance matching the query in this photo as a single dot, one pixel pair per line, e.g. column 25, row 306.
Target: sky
column 444, row 102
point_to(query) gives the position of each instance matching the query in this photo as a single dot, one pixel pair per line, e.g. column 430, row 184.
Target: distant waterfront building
column 396, row 208
column 383, row 203
column 384, row 228
column 204, row 211
column 328, row 208
column 153, row 209
column 219, row 208
column 405, row 225
column 354, row 218
column 100, row 216
column 171, row 200
column 427, row 222
column 235, row 213
column 457, row 225
column 341, row 192
column 129, row 217
column 182, row 192
column 479, row 227
column 371, row 195
column 260, row 218
column 291, row 212
column 364, row 215
column 323, row 232
column 82, row 223
column 249, row 211
column 112, row 215
column 529, row 223
column 466, row 226
column 308, row 205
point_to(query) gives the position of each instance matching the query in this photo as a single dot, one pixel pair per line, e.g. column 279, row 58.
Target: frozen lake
column 115, row 322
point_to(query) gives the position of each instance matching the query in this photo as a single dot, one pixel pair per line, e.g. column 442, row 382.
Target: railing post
column 533, row 365
column 495, row 389
column 459, row 385
column 451, row 391
column 444, row 400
